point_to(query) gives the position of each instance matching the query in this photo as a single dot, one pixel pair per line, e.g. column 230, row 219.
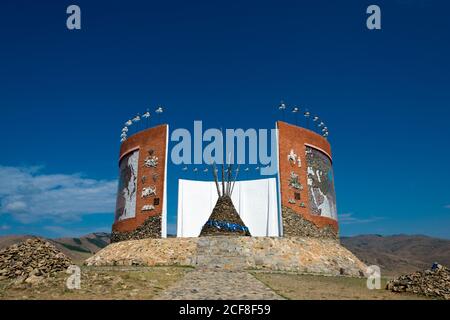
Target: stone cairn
column 31, row 261
column 433, row 283
column 224, row 219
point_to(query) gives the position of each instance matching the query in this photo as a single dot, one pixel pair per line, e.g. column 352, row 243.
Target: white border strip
column 164, row 204
column 280, row 217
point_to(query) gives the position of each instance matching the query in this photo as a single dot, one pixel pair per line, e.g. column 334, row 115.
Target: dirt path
column 202, row 284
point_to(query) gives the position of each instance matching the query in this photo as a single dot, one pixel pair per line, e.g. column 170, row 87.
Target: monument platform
column 287, row 254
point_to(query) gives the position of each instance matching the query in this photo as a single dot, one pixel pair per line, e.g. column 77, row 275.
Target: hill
column 399, row 254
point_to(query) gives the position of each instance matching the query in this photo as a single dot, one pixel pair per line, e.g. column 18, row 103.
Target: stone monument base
column 291, row 254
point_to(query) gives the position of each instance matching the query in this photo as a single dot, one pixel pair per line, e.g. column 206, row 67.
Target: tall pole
column 229, row 173
column 315, row 119
column 235, row 178
column 307, row 115
column 216, row 179
column 159, row 111
column 296, row 111
column 282, row 107
column 146, row 115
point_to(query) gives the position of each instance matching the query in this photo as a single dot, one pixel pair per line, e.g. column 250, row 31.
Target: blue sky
column 64, row 96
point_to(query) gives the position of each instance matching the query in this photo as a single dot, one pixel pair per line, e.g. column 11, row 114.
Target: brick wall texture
column 149, row 142
column 295, row 138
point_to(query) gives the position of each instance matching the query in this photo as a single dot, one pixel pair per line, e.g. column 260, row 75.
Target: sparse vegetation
column 98, row 283
column 311, row 287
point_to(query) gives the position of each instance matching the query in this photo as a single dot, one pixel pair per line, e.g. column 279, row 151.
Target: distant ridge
column 399, row 254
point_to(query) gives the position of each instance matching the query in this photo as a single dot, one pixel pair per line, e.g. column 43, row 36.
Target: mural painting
column 126, row 197
column 322, row 197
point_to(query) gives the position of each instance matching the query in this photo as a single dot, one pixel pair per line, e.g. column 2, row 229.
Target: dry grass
column 312, row 287
column 99, row 283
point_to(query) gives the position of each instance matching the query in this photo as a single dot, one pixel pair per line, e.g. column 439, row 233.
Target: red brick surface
column 156, row 139
column 297, row 138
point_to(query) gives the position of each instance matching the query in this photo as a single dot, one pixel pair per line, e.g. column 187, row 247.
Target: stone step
column 220, row 262
column 221, row 252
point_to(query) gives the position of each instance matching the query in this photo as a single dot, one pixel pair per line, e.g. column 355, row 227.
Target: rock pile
column 431, row 283
column 294, row 225
column 224, row 220
column 31, row 261
column 151, row 228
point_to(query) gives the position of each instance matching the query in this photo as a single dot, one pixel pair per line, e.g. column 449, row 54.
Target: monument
column 288, row 222
column 302, row 202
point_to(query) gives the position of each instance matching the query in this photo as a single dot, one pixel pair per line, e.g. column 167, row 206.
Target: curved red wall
column 297, row 138
column 151, row 139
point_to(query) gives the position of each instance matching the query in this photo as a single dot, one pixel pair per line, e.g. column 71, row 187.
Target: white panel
column 255, row 200
column 280, row 220
column 196, row 199
column 164, row 204
column 254, row 206
column 180, row 212
column 274, row 218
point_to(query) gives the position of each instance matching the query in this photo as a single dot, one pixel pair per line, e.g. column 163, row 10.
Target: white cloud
column 4, row 227
column 447, row 206
column 16, row 206
column 349, row 218
column 30, row 196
